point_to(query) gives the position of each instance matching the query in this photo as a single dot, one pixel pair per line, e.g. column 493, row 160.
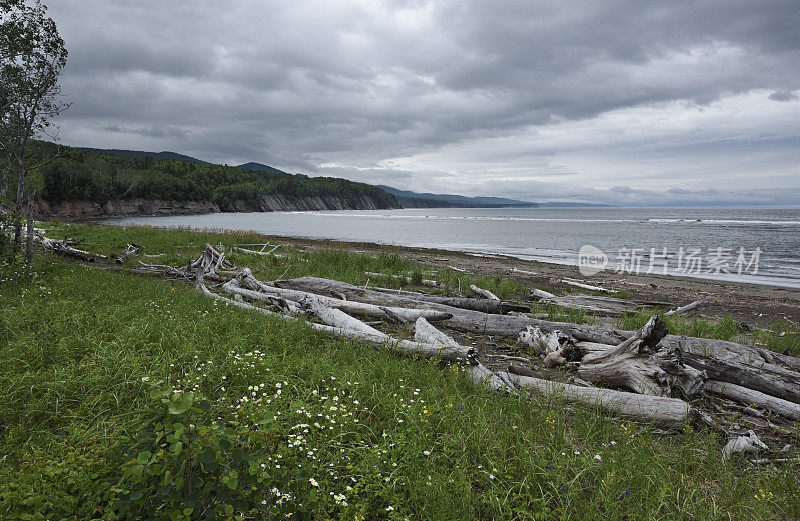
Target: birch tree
column 33, row 56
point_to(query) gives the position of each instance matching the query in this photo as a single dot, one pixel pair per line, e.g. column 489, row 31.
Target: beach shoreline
column 753, row 303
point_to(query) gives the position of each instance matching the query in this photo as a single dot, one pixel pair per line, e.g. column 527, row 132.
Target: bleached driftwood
column 722, row 360
column 484, row 292
column 408, row 280
column 577, row 284
column 747, row 396
column 552, row 345
column 339, row 323
column 64, row 249
column 671, row 411
column 541, row 294
column 354, row 328
column 524, row 272
column 254, row 252
column 477, row 372
column 634, row 365
column 245, row 278
column 484, row 305
column 688, row 308
column 129, row 251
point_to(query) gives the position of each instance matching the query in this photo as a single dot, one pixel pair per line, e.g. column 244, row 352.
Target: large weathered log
column 635, row 365
column 771, row 380
column 765, row 378
column 484, row 305
column 747, row 396
column 65, row 250
column 601, row 306
column 670, row 411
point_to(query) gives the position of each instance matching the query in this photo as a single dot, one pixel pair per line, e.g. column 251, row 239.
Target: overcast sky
column 629, row 102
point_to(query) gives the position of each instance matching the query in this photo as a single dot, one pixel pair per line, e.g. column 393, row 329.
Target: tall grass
column 77, row 345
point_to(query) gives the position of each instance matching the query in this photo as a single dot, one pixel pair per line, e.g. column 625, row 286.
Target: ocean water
column 757, row 245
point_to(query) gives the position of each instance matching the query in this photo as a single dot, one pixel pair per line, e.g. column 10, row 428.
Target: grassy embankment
column 387, row 437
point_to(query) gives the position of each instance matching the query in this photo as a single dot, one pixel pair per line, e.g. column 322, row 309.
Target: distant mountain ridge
column 259, row 167
column 411, row 199
column 405, row 198
column 84, row 182
column 139, row 153
column 255, row 167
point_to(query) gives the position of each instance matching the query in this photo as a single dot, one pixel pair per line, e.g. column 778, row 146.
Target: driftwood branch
column 688, row 308
column 577, row 284
column 129, row 251
column 484, row 292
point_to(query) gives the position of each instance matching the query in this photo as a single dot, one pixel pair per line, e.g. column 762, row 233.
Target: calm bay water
column 704, row 242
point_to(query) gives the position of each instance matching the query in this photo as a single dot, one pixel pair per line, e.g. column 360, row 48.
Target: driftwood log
column 750, row 397
column 670, row 411
column 368, row 310
column 634, row 365
column 582, row 285
column 407, row 279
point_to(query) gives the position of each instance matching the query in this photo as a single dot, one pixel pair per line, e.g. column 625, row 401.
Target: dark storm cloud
column 351, row 86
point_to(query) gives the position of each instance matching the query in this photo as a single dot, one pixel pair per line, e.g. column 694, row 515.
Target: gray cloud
column 784, row 95
column 425, row 93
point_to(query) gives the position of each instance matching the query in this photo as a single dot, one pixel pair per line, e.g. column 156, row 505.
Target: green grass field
column 132, row 396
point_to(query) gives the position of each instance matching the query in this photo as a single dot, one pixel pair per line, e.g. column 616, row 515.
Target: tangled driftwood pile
column 647, row 374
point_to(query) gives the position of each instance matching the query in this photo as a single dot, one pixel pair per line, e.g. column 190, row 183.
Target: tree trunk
column 29, row 228
column 19, row 202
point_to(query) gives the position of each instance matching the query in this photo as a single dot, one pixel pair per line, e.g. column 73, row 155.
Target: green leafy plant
column 184, row 464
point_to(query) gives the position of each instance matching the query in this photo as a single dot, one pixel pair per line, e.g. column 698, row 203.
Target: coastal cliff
column 80, row 210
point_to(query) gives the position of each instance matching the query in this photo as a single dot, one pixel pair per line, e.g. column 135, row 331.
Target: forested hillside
column 99, row 176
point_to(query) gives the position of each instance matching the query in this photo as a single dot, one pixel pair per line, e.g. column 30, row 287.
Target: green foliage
column 723, row 329
column 33, row 56
column 183, row 464
column 81, row 174
column 405, row 434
